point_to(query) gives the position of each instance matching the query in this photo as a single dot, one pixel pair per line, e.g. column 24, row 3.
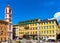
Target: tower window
column 9, row 15
column 9, row 10
column 9, row 19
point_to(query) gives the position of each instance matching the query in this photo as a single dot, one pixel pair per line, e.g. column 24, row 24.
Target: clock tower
column 8, row 18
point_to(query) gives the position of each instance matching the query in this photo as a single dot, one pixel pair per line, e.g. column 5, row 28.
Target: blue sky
column 30, row 9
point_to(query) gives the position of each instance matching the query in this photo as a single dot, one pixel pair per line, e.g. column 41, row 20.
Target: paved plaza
column 35, row 41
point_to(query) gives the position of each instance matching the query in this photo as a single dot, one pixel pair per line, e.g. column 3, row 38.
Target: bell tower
column 8, row 18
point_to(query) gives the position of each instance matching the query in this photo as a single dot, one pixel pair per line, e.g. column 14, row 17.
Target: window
column 36, row 28
column 49, row 26
column 42, row 27
column 30, row 28
column 41, row 23
column 45, row 27
column 21, row 32
column 33, row 32
column 52, row 22
column 10, row 10
column 5, row 39
column 36, row 24
column 10, row 20
column 52, row 26
column 27, row 33
column 47, row 32
column 39, row 27
column 33, row 28
column 52, row 31
column 44, row 32
column 33, row 24
column 36, row 32
column 9, row 15
column 46, row 22
column 50, row 35
column 49, row 22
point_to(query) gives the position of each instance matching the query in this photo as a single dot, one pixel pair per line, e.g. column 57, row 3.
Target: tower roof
column 8, row 6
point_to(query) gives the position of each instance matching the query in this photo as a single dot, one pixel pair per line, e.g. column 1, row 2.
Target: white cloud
column 51, row 18
column 56, row 16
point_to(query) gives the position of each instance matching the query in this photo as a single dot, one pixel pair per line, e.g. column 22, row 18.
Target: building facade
column 49, row 29
column 23, row 28
column 3, row 31
column 44, row 29
column 15, row 32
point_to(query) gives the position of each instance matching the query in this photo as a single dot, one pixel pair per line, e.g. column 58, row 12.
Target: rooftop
column 35, row 21
column 4, row 22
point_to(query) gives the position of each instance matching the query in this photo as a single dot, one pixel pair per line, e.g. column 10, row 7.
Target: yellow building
column 3, row 31
column 49, row 29
column 46, row 29
column 25, row 27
